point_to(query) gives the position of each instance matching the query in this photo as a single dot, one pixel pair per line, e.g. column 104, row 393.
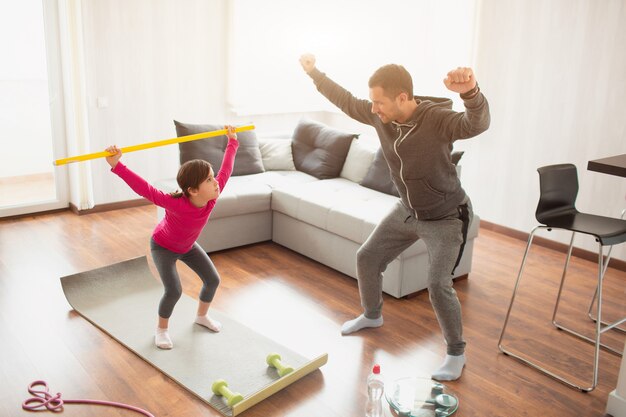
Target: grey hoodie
column 418, row 151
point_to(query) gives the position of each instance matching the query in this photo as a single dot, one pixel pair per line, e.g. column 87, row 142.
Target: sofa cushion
column 242, row 196
column 358, row 161
column 320, row 150
column 357, row 212
column 247, row 161
column 309, row 202
column 252, row 193
column 278, row 179
column 378, row 176
column 342, row 207
column 336, row 205
column 456, row 157
column 276, row 154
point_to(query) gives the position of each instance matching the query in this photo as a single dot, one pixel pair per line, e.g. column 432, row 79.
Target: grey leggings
column 197, row 259
column 444, row 239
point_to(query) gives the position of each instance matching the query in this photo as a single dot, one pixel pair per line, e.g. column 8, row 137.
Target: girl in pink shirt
column 174, row 238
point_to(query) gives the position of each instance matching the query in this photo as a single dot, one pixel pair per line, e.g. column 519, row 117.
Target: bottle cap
column 376, row 369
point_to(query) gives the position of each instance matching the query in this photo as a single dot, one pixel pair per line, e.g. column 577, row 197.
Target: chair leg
column 595, row 294
column 567, row 259
column 598, row 326
column 517, row 281
column 596, row 352
column 603, row 265
column 593, row 318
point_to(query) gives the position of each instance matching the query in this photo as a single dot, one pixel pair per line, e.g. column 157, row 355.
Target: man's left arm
column 476, row 118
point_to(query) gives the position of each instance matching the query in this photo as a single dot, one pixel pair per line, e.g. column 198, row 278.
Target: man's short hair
column 393, row 79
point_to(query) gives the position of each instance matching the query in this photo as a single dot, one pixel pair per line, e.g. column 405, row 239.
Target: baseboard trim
column 97, row 209
column 550, row 244
column 39, row 213
column 111, row 206
column 507, row 231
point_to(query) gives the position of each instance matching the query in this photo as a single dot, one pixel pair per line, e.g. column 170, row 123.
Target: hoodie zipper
column 396, row 143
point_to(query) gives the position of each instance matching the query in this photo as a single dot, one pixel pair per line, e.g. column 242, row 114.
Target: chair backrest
column 558, row 186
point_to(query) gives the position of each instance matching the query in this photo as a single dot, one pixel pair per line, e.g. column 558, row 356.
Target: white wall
column 553, row 72
column 151, row 62
column 350, row 38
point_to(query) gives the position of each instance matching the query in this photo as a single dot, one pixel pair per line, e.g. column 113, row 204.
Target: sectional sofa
column 320, row 192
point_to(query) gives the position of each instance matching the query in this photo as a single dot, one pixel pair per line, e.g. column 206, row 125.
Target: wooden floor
column 301, row 304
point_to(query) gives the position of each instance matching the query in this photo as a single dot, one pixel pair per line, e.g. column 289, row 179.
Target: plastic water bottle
column 375, row 388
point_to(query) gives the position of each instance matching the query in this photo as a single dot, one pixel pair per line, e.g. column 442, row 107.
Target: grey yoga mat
column 121, row 299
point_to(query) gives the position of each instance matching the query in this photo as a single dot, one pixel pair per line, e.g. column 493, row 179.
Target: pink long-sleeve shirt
column 183, row 221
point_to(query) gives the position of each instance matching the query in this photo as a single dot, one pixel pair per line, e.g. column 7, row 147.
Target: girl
column 174, row 238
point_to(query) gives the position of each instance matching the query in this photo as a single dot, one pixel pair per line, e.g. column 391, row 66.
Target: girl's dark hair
column 190, row 175
column 393, row 79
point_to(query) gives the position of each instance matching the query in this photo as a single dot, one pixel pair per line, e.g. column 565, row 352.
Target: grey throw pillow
column 320, row 150
column 456, row 157
column 247, row 161
column 378, row 176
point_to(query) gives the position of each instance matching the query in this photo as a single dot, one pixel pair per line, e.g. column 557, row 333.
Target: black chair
column 556, row 210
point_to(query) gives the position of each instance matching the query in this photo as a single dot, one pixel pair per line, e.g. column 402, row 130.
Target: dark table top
column 613, row 165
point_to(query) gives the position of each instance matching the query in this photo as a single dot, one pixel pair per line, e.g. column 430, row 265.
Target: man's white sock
column 359, row 323
column 162, row 339
column 209, row 323
column 451, row 369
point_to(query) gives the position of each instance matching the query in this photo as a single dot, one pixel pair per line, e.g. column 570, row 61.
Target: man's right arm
column 358, row 109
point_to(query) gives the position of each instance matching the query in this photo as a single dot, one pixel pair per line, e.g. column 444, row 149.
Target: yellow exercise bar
column 148, row 145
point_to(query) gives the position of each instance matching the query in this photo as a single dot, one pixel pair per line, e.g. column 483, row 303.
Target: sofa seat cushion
column 253, row 193
column 337, row 205
column 242, row 197
column 342, row 207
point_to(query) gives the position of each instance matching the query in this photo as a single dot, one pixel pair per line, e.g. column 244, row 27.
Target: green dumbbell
column 273, row 359
column 220, row 387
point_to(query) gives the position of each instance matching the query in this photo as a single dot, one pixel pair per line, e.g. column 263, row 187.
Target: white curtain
column 75, row 99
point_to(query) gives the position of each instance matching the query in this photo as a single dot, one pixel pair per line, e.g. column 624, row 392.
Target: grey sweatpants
column 197, row 259
column 443, row 238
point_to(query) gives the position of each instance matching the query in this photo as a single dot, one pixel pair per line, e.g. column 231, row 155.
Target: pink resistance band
column 44, row 400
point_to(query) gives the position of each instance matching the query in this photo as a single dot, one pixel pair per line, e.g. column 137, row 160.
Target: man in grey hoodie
column 416, row 135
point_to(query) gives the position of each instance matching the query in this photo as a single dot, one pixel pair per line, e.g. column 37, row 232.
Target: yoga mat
column 122, row 300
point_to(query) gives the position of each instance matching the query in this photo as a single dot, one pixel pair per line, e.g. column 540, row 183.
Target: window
column 28, row 182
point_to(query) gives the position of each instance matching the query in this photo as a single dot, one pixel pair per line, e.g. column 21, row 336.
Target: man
column 416, row 136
